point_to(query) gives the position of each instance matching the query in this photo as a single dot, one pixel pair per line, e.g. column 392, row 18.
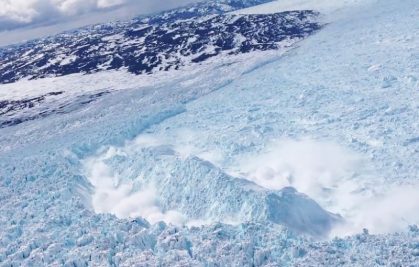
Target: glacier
column 303, row 156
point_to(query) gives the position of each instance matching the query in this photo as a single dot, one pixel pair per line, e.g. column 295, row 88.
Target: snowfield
column 303, row 156
column 329, row 8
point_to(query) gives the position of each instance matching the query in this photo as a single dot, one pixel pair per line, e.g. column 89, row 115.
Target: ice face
column 153, row 180
column 350, row 90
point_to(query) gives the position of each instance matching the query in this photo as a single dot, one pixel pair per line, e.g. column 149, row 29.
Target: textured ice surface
column 188, row 189
column 348, row 94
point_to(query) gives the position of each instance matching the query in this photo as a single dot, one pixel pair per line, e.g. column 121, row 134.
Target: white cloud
column 20, row 13
column 22, row 20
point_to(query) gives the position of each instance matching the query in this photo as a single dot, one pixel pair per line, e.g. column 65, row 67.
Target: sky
column 22, row 20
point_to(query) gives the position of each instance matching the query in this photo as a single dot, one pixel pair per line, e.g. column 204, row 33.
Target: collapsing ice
column 158, row 183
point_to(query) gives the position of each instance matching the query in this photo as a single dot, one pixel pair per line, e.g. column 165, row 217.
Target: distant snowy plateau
column 223, row 133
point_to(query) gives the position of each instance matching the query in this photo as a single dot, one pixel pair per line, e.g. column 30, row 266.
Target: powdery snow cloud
column 340, row 180
column 117, row 196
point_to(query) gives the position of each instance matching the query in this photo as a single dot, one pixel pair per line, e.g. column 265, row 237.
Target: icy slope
column 356, row 106
column 324, row 6
column 242, row 130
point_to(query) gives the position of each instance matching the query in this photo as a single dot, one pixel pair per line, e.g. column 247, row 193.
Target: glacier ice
column 353, row 86
column 127, row 179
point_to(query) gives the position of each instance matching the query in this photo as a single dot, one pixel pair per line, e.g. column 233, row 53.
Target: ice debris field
column 301, row 156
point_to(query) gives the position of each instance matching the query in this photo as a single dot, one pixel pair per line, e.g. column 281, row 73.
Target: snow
column 326, row 7
column 213, row 146
column 68, row 60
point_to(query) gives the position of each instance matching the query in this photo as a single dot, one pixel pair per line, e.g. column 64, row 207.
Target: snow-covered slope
column 258, row 159
column 159, row 43
column 323, row 6
column 173, row 40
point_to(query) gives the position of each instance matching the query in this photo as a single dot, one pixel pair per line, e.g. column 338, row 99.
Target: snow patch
column 324, row 6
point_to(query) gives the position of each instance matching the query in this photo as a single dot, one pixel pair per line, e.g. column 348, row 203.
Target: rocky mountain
column 157, row 43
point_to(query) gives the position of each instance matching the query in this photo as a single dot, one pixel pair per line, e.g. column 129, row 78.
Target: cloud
column 22, row 20
column 21, row 13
